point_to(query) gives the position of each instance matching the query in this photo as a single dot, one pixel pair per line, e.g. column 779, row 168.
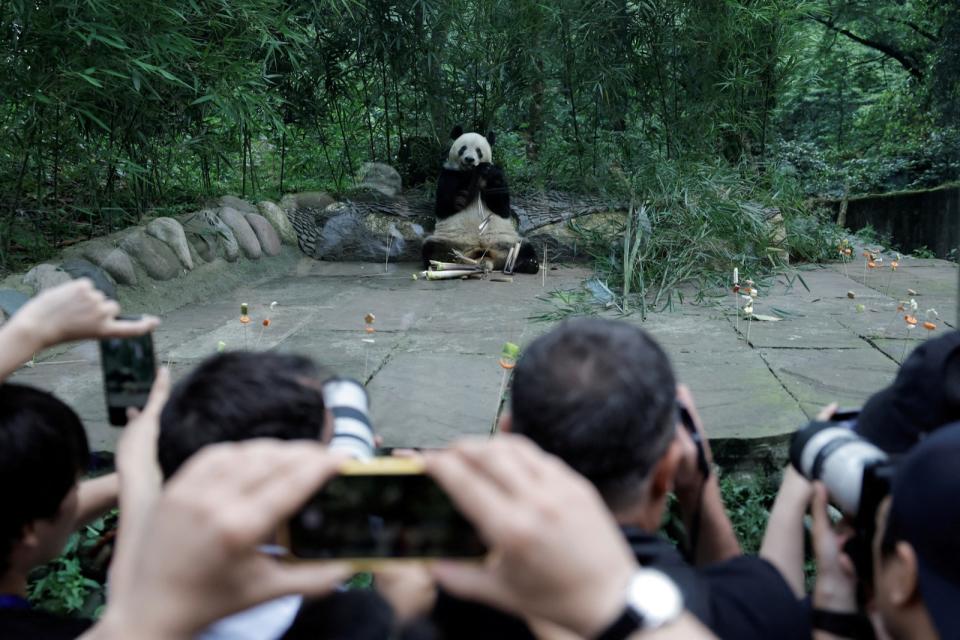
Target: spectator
column 43, row 452
column 560, row 558
column 601, row 395
column 239, row 396
column 916, row 549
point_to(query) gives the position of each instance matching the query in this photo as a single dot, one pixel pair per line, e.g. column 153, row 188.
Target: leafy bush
column 73, row 583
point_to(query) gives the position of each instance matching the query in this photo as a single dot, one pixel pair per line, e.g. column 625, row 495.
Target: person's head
column 916, row 551
column 238, row 396
column 601, row 395
column 43, row 451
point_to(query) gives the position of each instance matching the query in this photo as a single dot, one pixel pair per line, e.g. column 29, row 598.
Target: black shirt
column 743, row 598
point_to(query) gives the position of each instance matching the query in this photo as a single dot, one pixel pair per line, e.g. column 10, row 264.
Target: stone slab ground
column 432, row 371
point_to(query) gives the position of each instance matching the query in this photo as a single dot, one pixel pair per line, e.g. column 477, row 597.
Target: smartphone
column 128, row 373
column 381, row 510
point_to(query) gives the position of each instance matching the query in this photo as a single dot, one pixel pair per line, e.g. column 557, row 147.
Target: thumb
column 311, row 579
column 822, row 527
column 472, row 582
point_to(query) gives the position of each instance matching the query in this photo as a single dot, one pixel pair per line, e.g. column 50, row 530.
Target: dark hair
column 240, row 396
column 600, row 394
column 43, row 450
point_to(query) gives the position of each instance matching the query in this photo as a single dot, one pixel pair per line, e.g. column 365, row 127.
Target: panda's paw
column 527, row 259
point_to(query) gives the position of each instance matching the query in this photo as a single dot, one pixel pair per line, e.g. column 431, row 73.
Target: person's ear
column 456, row 133
column 491, row 138
column 505, row 424
column 28, row 536
column 661, row 479
column 901, row 579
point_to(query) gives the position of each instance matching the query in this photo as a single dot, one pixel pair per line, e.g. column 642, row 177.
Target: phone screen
column 382, row 516
column 128, row 373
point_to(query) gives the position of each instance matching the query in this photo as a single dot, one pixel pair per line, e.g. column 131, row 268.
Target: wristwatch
column 653, row 600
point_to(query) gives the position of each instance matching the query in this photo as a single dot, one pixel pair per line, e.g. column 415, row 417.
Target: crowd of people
column 568, row 498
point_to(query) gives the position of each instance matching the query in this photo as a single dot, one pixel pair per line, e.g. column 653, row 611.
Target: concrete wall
column 912, row 219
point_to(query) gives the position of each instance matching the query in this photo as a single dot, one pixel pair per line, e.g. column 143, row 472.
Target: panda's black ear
column 491, row 138
column 456, row 133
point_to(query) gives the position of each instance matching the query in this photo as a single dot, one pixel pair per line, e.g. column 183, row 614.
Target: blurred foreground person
column 556, row 554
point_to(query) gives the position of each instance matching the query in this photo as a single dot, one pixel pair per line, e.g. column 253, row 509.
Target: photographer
column 44, row 452
column 237, row 396
column 555, row 552
column 915, row 550
column 601, row 395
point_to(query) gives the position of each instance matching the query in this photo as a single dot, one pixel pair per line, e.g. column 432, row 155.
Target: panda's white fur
column 462, row 230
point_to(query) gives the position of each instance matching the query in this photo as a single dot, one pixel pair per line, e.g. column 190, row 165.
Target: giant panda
column 473, row 209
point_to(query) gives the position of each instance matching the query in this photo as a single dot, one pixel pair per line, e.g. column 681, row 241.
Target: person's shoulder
column 32, row 623
column 750, row 599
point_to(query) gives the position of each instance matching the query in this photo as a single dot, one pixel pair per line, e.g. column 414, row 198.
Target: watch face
column 655, row 597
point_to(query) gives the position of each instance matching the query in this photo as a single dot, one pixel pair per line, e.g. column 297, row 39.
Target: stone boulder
column 276, row 216
column 376, row 176
column 10, row 302
column 319, row 200
column 239, row 204
column 266, row 234
column 210, row 236
column 80, row 268
column 112, row 260
column 156, row 258
column 45, row 276
column 169, row 231
column 245, row 235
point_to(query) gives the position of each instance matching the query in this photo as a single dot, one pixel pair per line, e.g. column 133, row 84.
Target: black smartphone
column 381, row 510
column 128, row 373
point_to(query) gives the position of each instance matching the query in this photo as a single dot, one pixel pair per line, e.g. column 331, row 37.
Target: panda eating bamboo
column 474, row 220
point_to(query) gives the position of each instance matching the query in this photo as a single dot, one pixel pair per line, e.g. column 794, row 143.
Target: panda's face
column 467, row 151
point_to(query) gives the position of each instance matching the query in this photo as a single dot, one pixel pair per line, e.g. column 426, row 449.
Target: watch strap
column 626, row 624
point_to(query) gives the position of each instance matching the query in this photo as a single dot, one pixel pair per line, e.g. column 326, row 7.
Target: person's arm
column 835, row 591
column 95, row 497
column 75, row 310
column 783, row 539
column 701, row 505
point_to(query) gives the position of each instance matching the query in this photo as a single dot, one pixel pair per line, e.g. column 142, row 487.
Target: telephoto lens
column 839, row 458
column 352, row 431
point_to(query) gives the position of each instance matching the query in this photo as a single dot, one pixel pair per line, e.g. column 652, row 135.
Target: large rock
column 169, row 231
column 45, row 276
column 266, row 234
column 239, row 204
column 246, row 237
column 380, row 177
column 112, row 260
column 342, row 232
column 307, row 200
column 10, row 302
column 276, row 216
column 80, row 268
column 156, row 258
column 210, row 236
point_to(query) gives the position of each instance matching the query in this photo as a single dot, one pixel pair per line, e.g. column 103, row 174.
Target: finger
column 158, row 393
column 109, row 308
column 477, row 497
column 311, row 579
column 471, row 582
column 502, row 461
column 827, row 412
column 822, row 527
column 302, row 474
column 115, row 328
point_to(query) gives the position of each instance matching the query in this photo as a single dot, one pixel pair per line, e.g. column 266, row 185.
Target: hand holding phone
column 129, row 369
